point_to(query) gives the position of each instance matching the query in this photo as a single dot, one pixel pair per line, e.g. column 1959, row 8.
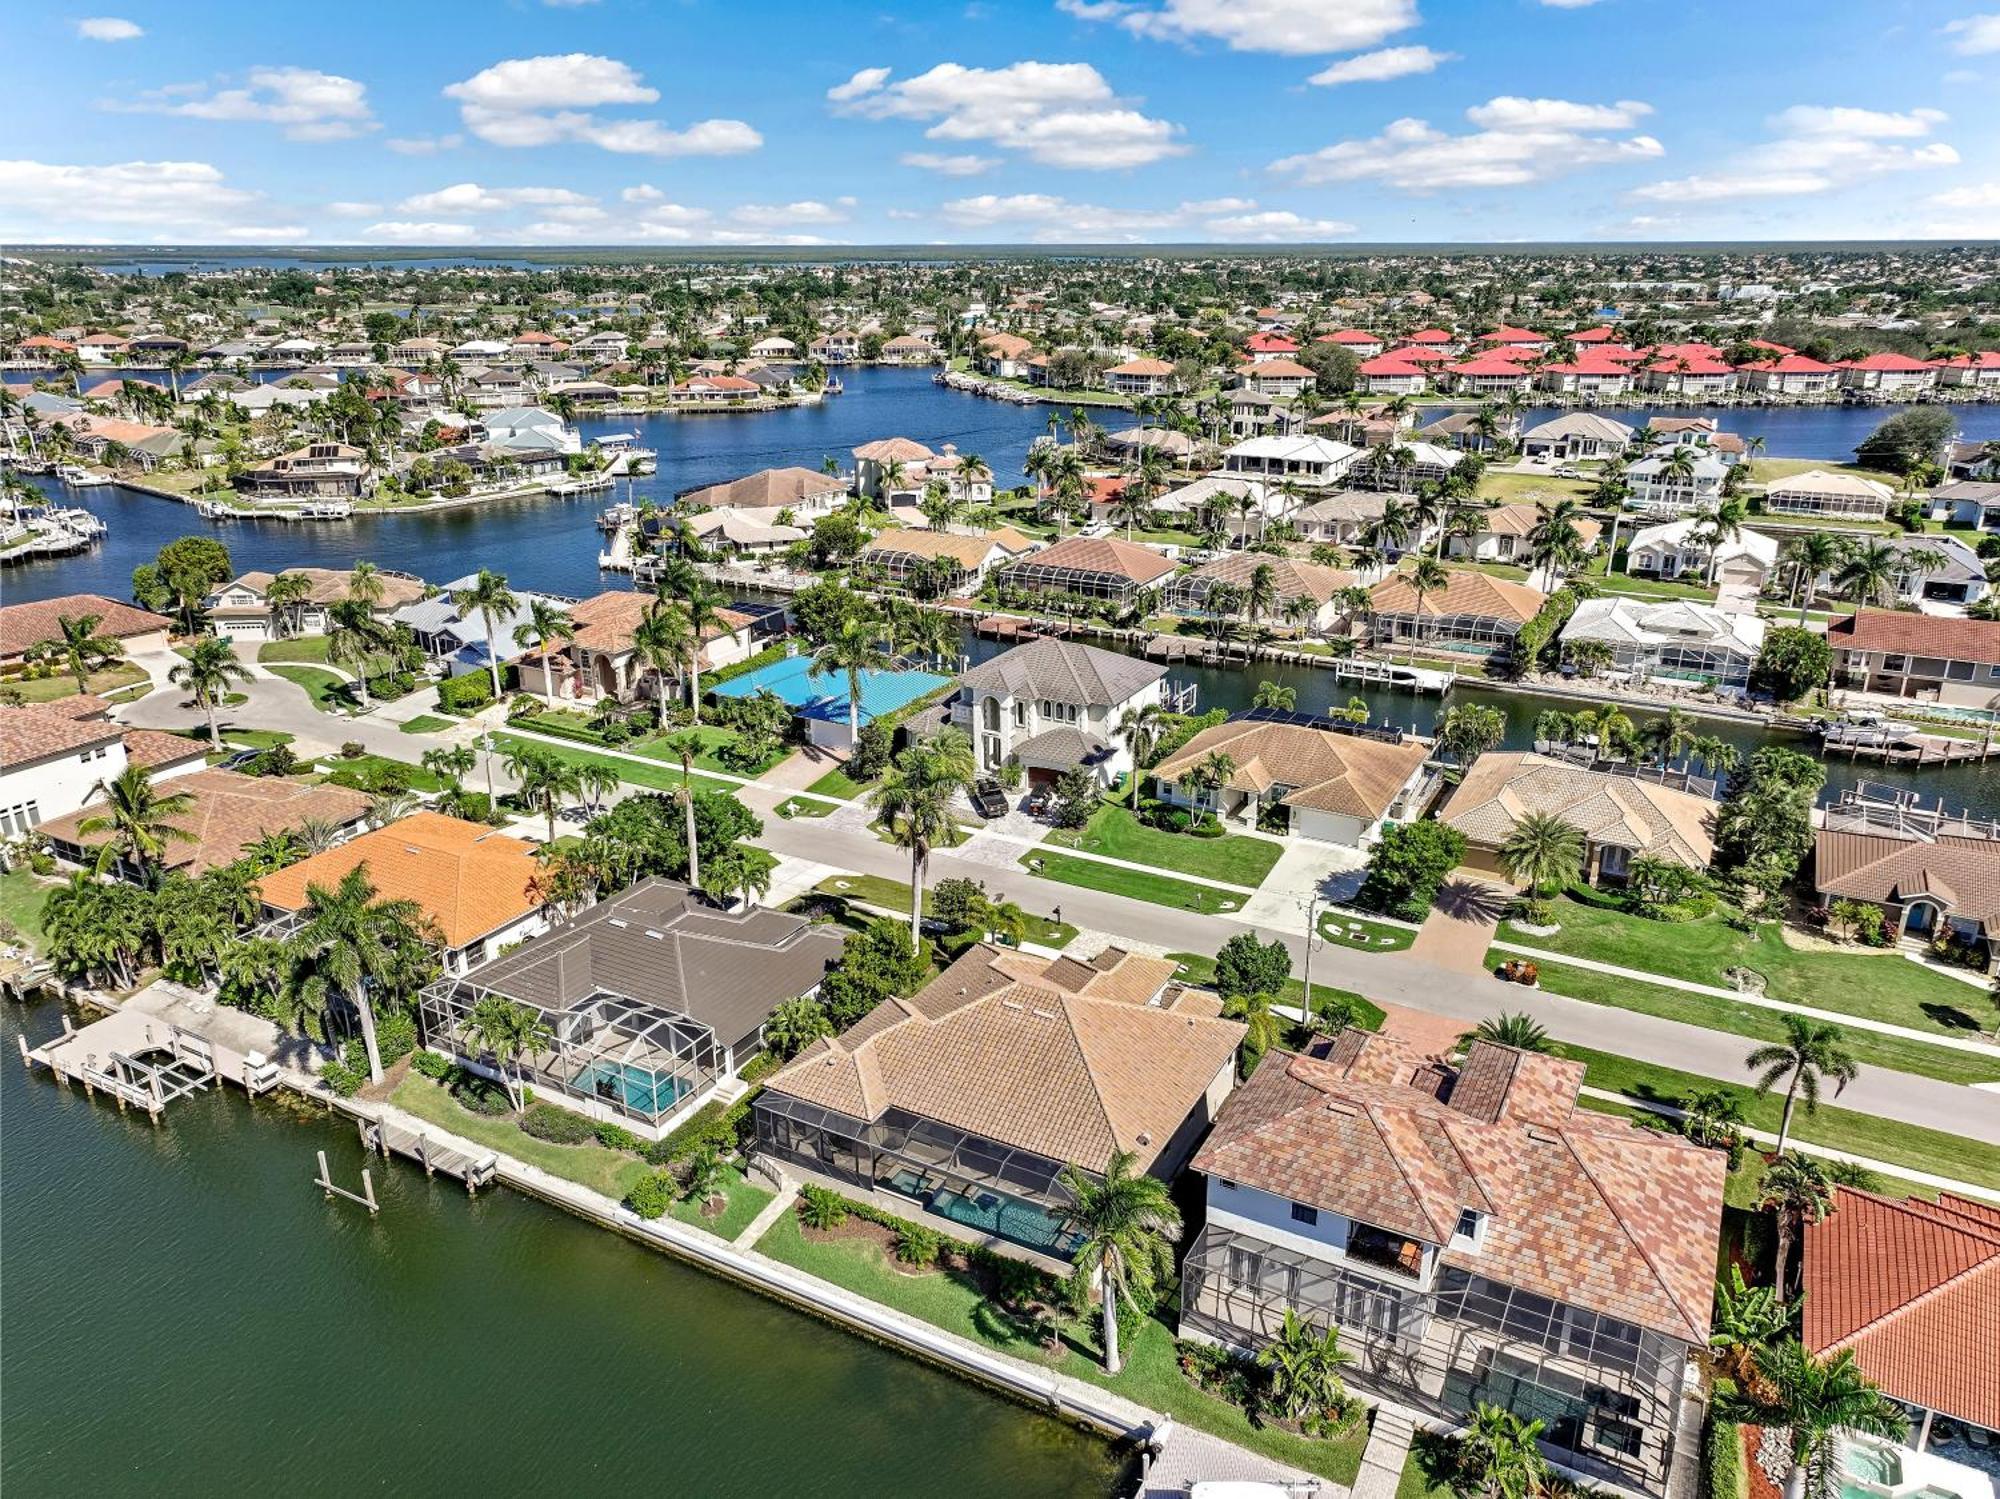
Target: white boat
column 326, row 510
column 1393, row 674
column 617, row 517
column 80, row 522
column 79, row 476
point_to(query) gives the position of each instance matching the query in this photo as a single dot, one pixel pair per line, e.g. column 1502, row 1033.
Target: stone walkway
column 1461, row 925
column 1382, row 1460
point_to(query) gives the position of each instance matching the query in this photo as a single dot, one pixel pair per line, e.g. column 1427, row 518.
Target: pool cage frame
column 605, row 1029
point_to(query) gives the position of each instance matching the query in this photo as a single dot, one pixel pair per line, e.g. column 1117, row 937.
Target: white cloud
column 1981, row 195
column 470, row 197
column 1817, row 148
column 348, row 210
column 424, row 145
column 1059, row 114
column 45, row 199
column 545, row 101
column 1522, row 141
column 1380, row 67
column 809, row 211
column 406, row 232
column 108, row 29
column 1568, row 4
column 1277, row 224
column 309, row 104
column 1052, row 218
column 1294, row 27
column 758, row 237
column 950, row 166
column 1977, row 35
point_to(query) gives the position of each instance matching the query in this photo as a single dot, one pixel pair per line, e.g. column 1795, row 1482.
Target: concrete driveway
column 1461, row 925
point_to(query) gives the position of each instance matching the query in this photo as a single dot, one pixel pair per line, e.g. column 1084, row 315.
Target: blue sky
column 690, row 122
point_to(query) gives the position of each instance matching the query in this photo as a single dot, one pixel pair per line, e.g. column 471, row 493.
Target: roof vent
column 1144, row 1138
column 618, row 921
column 1338, row 1106
column 1012, row 1004
column 656, row 936
column 1044, row 1014
column 1543, row 1136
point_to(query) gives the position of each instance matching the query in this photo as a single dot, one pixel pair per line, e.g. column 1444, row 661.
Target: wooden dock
column 434, row 1154
column 1903, row 744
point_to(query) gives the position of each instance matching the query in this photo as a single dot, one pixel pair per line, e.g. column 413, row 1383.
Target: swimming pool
column 823, row 695
column 636, row 1088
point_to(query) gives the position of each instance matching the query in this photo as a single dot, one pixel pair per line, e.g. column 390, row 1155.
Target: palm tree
column 854, row 649
column 663, row 640
column 1428, row 576
column 79, row 649
column 285, row 595
column 1512, row 1028
column 1498, row 1457
column 1671, row 737
column 1810, row 1052
column 207, row 673
column 364, row 583
column 1209, row 775
column 1124, row 1223
column 1813, row 1400
column 1138, row 730
column 346, row 942
column 1543, row 852
column 542, row 779
column 913, row 800
column 684, row 746
column 1813, row 555
column 1868, row 574
column 1275, row 695
column 140, row 819
column 1795, row 1191
column 490, row 598
column 1260, row 1027
column 355, row 637
column 545, row 627
column 510, row 1031
column 1260, row 593
column 1305, row 1368
column 703, row 607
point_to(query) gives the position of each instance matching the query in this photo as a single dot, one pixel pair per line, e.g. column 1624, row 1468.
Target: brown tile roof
column 230, row 813
column 23, row 625
column 469, row 879
column 1328, row 771
column 967, row 551
column 1583, row 1207
column 768, row 488
column 1962, row 874
column 150, row 749
column 1104, row 554
column 898, row 449
column 1289, row 576
column 79, row 705
column 40, row 731
column 1467, row 592
column 1917, row 635
column 1661, row 822
column 605, row 621
column 1914, row 1289
column 999, row 1046
column 1519, row 520
column 330, row 585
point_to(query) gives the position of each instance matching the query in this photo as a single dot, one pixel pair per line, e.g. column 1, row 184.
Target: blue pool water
column 634, row 1088
column 824, row 695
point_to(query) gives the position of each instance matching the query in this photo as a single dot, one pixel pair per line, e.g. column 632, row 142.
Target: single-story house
column 1680, row 549
column 1577, row 434
column 599, row 661
column 24, row 626
column 1315, row 462
column 1473, row 612
column 957, row 561
column 1052, row 705
column 806, row 492
column 1819, row 493
column 1674, row 638
column 1622, row 817
column 1968, row 502
column 241, row 609
column 1306, row 594
column 1333, row 785
column 1095, row 567
column 1928, row 884
column 1504, row 534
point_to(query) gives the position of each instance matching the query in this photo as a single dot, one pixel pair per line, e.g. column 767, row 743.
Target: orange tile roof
column 1914, row 1289
column 1466, row 592
column 469, row 879
column 1328, row 771
column 230, row 813
column 23, row 625
column 1917, row 634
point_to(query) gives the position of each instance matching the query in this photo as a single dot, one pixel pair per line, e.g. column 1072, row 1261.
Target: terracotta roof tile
column 23, row 625
column 230, row 813
column 1328, row 771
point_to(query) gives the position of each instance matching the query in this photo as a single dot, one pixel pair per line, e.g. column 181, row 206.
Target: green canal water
column 181, row 1312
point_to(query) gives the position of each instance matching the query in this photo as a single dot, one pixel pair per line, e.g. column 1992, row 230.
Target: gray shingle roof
column 1062, row 671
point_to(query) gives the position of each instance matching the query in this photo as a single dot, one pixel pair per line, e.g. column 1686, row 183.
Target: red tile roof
column 23, row 625
column 1492, row 363
column 1896, row 363
column 1917, row 634
column 1791, row 364
column 1271, row 343
column 1506, row 335
column 1430, row 336
column 1914, row 1289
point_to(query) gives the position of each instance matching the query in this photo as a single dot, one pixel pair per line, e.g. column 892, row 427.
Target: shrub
column 1722, row 1475
column 526, row 705
column 821, row 1209
column 429, row 1064
column 395, row 1037
column 652, row 1194
column 345, row 1081
column 617, row 1137
column 558, row 1126
column 353, row 749
column 918, row 1246
column 1408, row 864
column 480, row 1095
column 466, row 694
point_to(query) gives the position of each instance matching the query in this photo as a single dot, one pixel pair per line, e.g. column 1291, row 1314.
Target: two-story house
column 1053, row 704
column 1940, row 660
column 241, row 609
column 1475, row 1237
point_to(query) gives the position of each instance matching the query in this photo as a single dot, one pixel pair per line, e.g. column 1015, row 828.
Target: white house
column 1658, row 490
column 1053, row 704
column 1675, row 638
column 1790, row 375
column 1140, row 377
column 1316, row 462
column 1680, row 549
column 1819, row 493
column 1577, row 434
column 1890, row 375
column 54, row 755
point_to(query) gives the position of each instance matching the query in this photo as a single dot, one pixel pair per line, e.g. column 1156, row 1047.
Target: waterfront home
column 1623, row 814
column 1791, row 374
column 476, row 886
column 23, row 626
column 1052, row 705
column 1688, row 431
column 496, row 386
column 599, row 660
column 1100, row 568
column 1140, row 377
column 229, row 813
column 805, row 492
column 1683, row 549
column 1005, row 356
column 1967, row 502
column 1577, row 434
column 53, row 757
column 1977, row 372
column 1595, row 375
column 1475, row 1236
column 774, row 349
column 1492, row 374
column 951, row 562
column 962, row 1104
column 1388, row 375
column 99, row 348
column 601, row 347
column 1819, row 493
column 1311, row 462
column 144, row 445
column 1658, row 489
column 654, row 999
column 715, row 390
column 241, row 608
column 1894, row 376
column 319, row 470
column 1361, row 344
column 1674, row 638
column 1305, row 594
column 887, row 458
column 1691, row 377
column 737, row 533
column 1931, row 882
column 523, row 431
column 1910, row 1287
column 1504, row 531
column 1932, row 569
column 1473, row 613
column 841, row 346
column 1133, row 442
column 821, row 699
column 1344, row 517
column 1283, row 379
column 909, row 348
column 1330, row 783
column 1468, row 431
column 458, row 638
column 1941, row 660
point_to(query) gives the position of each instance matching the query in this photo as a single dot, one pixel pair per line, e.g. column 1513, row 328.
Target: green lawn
column 712, row 738
column 1234, row 858
column 894, row 895
column 1199, row 970
column 1878, row 985
column 637, row 773
column 798, row 804
column 745, row 1203
column 427, row 723
column 364, row 766
column 1755, row 1024
column 1836, row 1128
column 48, row 689
column 1374, row 936
column 329, row 693
column 306, row 648
column 1517, row 489
column 1135, row 884
column 1151, row 1375
column 22, row 897
column 611, row 1172
column 838, row 784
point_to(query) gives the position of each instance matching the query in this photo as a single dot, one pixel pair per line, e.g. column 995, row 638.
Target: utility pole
column 486, row 743
column 1306, row 1006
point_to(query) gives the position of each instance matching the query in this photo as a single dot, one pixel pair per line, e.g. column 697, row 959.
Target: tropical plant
column 1746, row 1319
column 77, row 648
column 913, row 800
column 1812, row 1400
column 1543, row 852
column 207, row 672
column 1124, row 1224
column 1139, row 730
column 542, row 778
column 139, row 817
column 794, row 1026
column 1796, row 1192
column 1498, row 1458
column 355, row 639
column 1304, row 1363
column 544, row 629
column 854, row 649
column 489, row 597
column 664, row 641
column 704, row 1176
column 510, row 1031
column 1512, row 1028
column 1260, row 1027
column 1811, row 1053
column 348, row 943
column 684, row 746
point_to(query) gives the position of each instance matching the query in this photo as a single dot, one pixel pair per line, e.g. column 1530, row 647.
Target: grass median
column 894, row 895
column 636, row 772
column 1233, row 859
column 1134, row 884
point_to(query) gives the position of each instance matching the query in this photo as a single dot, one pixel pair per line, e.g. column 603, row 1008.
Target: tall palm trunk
column 1108, row 1295
column 492, row 652
column 208, row 710
column 687, row 805
column 694, row 682
column 367, row 1013
column 1785, row 1122
column 919, row 858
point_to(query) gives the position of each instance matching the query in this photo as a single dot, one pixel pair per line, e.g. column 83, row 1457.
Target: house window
column 1468, row 1224
column 1303, row 1214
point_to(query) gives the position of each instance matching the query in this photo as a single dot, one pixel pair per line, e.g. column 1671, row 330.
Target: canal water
column 185, row 1314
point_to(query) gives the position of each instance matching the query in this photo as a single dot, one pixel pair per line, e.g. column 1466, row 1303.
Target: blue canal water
column 1829, row 432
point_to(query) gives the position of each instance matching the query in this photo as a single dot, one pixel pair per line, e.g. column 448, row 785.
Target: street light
column 1306, row 1005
